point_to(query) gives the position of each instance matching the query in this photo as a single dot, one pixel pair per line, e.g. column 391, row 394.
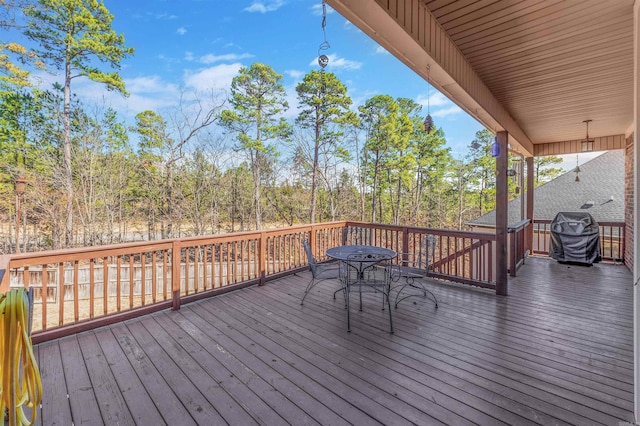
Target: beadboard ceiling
column 551, row 63
column 536, row 68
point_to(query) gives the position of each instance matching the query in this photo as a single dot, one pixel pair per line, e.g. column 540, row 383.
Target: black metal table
column 356, row 261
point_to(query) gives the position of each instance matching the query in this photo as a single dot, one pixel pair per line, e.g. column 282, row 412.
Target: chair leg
column 308, row 289
column 421, row 286
column 388, row 290
column 346, row 291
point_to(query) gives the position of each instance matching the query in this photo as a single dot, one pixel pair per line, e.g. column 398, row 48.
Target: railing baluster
column 105, row 284
column 143, row 278
column 131, row 280
column 44, row 293
column 91, row 287
column 76, row 313
column 61, row 293
column 118, row 283
column 154, row 276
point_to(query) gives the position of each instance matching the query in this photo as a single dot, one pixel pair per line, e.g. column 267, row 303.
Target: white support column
column 636, row 207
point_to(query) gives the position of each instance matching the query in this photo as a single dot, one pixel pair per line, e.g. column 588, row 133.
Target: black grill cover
column 575, row 237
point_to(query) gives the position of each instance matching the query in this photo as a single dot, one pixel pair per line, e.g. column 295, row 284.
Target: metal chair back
column 312, row 261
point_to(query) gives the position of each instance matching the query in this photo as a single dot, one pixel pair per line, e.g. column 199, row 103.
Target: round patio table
column 359, row 258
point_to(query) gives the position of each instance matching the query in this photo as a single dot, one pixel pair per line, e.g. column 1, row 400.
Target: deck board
column 558, row 350
column 82, row 397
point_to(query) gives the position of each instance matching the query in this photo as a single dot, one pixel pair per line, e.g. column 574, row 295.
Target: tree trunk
column 169, row 200
column 314, row 177
column 68, row 175
column 255, row 168
column 374, row 190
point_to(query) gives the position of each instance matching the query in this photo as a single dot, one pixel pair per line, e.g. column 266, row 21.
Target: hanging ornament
column 323, row 60
column 495, row 148
column 428, row 121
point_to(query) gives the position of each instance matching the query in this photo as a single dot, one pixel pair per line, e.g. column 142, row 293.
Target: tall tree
column 165, row 143
column 325, row 111
column 544, row 170
column 483, row 176
column 73, row 36
column 258, row 100
column 384, row 128
column 12, row 54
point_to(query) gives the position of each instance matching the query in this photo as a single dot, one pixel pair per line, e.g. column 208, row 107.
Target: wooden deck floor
column 557, row 350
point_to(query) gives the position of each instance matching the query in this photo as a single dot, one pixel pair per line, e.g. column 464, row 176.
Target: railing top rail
column 435, row 231
column 518, row 225
column 83, row 253
column 601, row 223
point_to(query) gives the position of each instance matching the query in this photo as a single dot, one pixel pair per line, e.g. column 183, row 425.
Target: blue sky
column 198, row 45
column 189, row 45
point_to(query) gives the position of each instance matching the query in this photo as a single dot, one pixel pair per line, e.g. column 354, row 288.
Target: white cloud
column 165, row 15
column 147, row 84
column 381, row 50
column 211, row 58
column 295, row 74
column 264, row 6
column 214, row 78
column 292, row 100
column 188, row 56
column 340, row 63
column 181, row 31
column 446, row 112
column 436, row 99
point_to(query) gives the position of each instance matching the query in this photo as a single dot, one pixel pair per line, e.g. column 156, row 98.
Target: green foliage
column 72, row 33
column 544, row 170
column 324, row 111
column 258, row 100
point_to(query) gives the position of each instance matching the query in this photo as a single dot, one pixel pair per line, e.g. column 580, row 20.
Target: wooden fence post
column 175, row 275
column 263, row 258
column 405, row 246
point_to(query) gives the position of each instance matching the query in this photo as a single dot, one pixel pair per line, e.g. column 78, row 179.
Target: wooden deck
column 557, row 350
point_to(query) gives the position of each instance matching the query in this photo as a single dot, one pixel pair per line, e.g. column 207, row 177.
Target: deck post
column 175, row 275
column 529, row 215
column 502, row 212
column 263, row 258
column 636, row 209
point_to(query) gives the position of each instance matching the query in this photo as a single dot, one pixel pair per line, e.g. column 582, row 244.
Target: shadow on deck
column 557, row 350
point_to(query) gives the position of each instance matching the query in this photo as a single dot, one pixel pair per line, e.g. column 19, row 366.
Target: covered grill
column 575, row 237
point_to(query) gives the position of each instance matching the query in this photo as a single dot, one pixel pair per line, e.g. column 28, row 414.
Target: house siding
column 628, row 202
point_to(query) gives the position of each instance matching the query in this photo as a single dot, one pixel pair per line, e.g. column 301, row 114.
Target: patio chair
column 411, row 272
column 319, row 271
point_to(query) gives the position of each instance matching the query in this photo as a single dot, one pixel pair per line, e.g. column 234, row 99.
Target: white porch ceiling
column 550, row 63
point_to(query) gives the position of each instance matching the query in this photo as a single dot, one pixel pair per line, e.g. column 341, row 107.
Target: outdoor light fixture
column 20, row 185
column 495, row 148
column 428, row 121
column 587, row 143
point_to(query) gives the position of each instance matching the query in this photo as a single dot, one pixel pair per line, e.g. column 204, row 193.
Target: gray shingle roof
column 601, row 181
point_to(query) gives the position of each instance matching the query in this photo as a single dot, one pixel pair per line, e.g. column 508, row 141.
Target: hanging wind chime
column 577, row 170
column 428, row 121
column 323, row 60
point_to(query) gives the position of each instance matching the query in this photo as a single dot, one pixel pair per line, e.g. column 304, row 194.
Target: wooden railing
column 465, row 257
column 517, row 245
column 80, row 289
column 612, row 241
